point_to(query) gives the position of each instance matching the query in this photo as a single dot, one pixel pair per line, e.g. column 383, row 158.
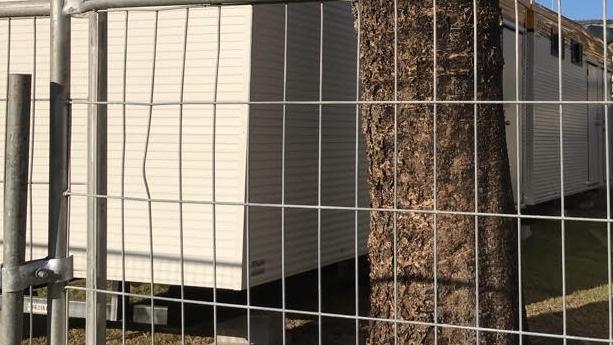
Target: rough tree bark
column 455, row 171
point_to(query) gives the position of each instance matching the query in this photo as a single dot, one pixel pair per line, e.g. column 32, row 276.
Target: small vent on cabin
column 258, row 267
column 576, row 52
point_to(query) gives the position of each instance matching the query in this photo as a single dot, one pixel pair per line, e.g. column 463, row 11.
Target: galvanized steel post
column 59, row 165
column 96, row 180
column 17, row 145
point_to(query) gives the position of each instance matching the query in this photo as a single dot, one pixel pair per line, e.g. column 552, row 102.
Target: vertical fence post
column 59, row 165
column 15, row 199
column 96, row 180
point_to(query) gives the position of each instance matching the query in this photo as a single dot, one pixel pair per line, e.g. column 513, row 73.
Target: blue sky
column 580, row 9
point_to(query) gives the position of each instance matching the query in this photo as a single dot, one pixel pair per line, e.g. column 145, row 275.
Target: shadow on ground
column 585, row 265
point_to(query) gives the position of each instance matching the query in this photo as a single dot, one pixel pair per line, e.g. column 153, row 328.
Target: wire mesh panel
column 23, row 56
column 334, row 172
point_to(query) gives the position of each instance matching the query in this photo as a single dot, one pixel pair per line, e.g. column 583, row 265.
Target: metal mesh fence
column 247, row 195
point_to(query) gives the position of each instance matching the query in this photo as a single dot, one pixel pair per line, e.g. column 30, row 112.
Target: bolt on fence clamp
column 36, row 272
column 73, row 7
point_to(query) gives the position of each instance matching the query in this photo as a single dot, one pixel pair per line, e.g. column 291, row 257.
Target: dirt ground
column 587, row 307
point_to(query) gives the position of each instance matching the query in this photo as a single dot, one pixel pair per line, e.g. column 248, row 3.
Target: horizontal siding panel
column 162, row 169
column 338, row 140
column 545, row 184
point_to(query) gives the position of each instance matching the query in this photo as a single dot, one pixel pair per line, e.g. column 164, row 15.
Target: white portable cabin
column 248, row 141
column 539, row 124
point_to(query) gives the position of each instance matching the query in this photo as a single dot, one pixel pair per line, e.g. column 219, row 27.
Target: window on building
column 576, row 52
column 554, row 43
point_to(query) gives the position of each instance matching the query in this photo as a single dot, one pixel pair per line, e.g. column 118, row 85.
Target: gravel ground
column 299, row 331
column 113, row 337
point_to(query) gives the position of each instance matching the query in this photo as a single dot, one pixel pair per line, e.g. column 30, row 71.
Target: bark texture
column 414, row 169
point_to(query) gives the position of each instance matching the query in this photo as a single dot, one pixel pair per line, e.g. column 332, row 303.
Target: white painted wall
column 251, row 68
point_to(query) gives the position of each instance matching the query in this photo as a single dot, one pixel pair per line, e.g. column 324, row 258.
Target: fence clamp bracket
column 36, row 272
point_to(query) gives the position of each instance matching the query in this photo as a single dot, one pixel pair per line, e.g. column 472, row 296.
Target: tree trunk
column 454, row 159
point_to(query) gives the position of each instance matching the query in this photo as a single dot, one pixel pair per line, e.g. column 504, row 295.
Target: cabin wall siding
column 338, row 140
column 544, row 182
column 249, row 140
column 162, row 168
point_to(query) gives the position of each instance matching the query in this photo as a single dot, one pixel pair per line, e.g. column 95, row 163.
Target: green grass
column 585, row 263
column 585, row 246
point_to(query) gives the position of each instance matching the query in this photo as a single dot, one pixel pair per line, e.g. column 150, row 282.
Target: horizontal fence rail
column 41, row 8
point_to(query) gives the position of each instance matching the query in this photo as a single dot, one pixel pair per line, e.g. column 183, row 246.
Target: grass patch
column 585, row 251
column 142, row 289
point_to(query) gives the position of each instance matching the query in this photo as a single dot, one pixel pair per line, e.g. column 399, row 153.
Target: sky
column 580, row 9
